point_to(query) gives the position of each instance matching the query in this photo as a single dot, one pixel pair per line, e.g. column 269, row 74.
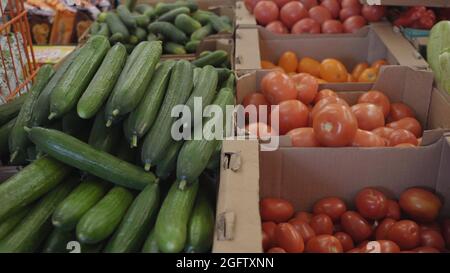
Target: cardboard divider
column 439, row 116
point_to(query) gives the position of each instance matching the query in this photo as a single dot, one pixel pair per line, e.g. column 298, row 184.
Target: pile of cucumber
column 181, row 26
column 101, row 166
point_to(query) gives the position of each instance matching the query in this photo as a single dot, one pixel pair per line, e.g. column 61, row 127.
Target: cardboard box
column 439, row 116
column 428, row 3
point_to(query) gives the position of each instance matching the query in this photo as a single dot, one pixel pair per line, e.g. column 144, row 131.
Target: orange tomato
column 309, row 65
column 378, row 63
column 333, row 70
column 350, row 78
column 321, row 81
column 288, row 61
column 306, row 86
column 267, row 65
column 358, row 70
column 368, row 75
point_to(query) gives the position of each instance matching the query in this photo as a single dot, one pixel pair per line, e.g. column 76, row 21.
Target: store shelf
column 428, row 3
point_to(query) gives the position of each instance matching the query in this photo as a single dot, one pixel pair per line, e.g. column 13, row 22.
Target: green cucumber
column 152, row 37
column 76, row 153
column 178, row 91
column 168, row 30
column 10, row 109
column 130, row 4
column 143, row 117
column 230, row 83
column 126, row 16
column 168, row 164
column 214, row 161
column 104, row 30
column 162, row 8
column 187, row 24
column 118, row 38
column 204, row 53
column 140, row 33
column 5, row 130
column 57, row 241
column 77, row 77
column 173, row 218
column 95, row 248
column 226, row 19
column 11, row 222
column 133, row 81
column 102, row 219
column 215, row 58
column 145, row 9
column 192, row 45
column 129, row 48
column 202, row 16
column 151, row 245
column 104, row 138
column 224, row 74
column 33, row 229
column 202, row 32
column 116, row 26
column 201, row 226
column 174, row 48
column 219, row 25
column 136, row 223
column 171, row 15
column 18, row 140
column 94, row 28
column 196, row 73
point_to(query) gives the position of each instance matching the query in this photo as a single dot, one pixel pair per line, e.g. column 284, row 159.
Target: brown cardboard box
column 428, row 3
column 439, row 116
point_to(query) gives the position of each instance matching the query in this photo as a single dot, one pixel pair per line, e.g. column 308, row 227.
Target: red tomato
column 323, row 94
column 354, row 250
column 326, row 101
column 276, row 250
column 334, row 207
column 383, row 228
column 277, row 87
column 309, row 3
column 306, row 25
column 259, row 130
column 383, row 132
column 307, row 87
column 292, row 12
column 277, row 27
column 266, row 243
column 287, row 237
column 320, row 14
column 353, row 23
column 292, row 114
column 425, row 249
column 367, row 139
column 349, row 12
column 250, row 4
column 420, row 204
column 265, row 12
column 350, row 3
column 346, row 241
column 371, row 204
column 269, row 229
column 393, row 210
column 380, row 246
column 400, row 136
column 304, row 216
column 432, row 238
column 303, row 137
column 405, row 233
column 335, row 125
column 332, row 26
column 410, row 124
column 369, row 116
column 303, row 228
column 432, row 225
column 324, row 244
column 333, row 6
column 281, row 3
column 377, row 98
column 373, row 13
column 400, row 110
column 256, row 99
column 356, row 226
column 276, row 209
column 321, row 224
column 446, row 231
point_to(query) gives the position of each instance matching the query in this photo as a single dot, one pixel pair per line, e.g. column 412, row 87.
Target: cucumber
column 94, row 28
column 150, row 245
column 126, row 16
column 152, row 37
column 143, row 117
column 86, row 158
column 79, row 201
column 96, row 248
column 104, row 138
column 118, row 38
column 102, row 219
column 73, row 125
column 162, row 8
column 219, row 25
column 171, row 15
column 77, row 77
column 168, row 164
column 214, row 161
column 5, row 130
column 178, row 91
column 168, row 30
column 18, row 140
column 224, row 74
column 202, row 16
column 103, row 82
column 116, row 26
column 136, row 223
column 104, row 30
column 214, row 58
column 145, row 9
column 142, row 20
column 133, row 81
column 230, row 83
column 204, row 53
column 33, row 229
column 202, row 32
column 195, row 75
column 129, row 48
column 140, row 33
column 174, row 48
column 11, row 109
column 173, row 217
column 130, row 4
column 57, row 241
column 192, row 45
column 201, row 226
column 187, row 24
column 226, row 19
column 11, row 222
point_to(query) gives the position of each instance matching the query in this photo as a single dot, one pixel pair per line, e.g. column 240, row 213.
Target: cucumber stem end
column 52, row 115
column 147, row 166
column 182, row 185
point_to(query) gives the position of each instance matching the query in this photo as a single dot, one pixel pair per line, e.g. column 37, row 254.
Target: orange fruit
column 288, row 61
column 368, row 75
column 333, row 70
column 377, row 64
column 267, row 64
column 321, row 81
column 310, row 66
column 359, row 68
column 350, row 78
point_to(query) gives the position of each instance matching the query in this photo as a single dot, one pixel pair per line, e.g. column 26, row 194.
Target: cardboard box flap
column 247, row 49
column 443, row 181
column 439, row 116
column 243, row 16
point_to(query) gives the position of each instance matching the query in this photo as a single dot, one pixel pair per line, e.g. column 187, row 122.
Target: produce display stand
column 428, row 3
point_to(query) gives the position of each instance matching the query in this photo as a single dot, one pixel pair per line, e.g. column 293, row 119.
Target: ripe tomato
column 446, row 231
column 353, row 23
column 276, row 250
column 265, row 12
column 333, row 70
column 266, row 243
column 335, row 125
column 393, row 210
column 259, row 130
column 281, row 3
column 383, row 228
column 323, row 94
column 292, row 114
column 346, row 241
column 327, row 101
column 345, row 13
column 278, row 87
column 373, row 13
column 256, row 99
column 250, row 4
column 277, row 27
column 377, row 98
column 333, row 6
column 306, row 25
column 310, row 66
column 334, row 207
column 383, row 132
column 405, row 233
column 324, row 244
column 309, row 3
column 269, row 229
column 402, row 136
column 371, row 204
column 425, row 249
column 400, row 110
column 380, row 246
column 332, row 26
column 369, row 116
column 304, row 216
column 410, row 124
column 307, row 87
column 287, row 237
column 432, row 225
column 320, row 14
column 275, row 209
column 420, row 204
column 288, row 61
column 367, row 139
column 321, row 224
column 303, row 137
column 293, row 12
column 267, row 65
column 368, row 75
column 432, row 238
column 350, row 3
column 303, row 228
column 358, row 69
column 356, row 226
column 378, row 63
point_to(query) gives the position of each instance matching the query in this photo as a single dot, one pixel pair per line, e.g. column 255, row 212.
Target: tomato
column 293, row 12
column 269, row 229
column 446, row 231
column 321, row 224
column 401, row 136
column 354, row 23
column 432, row 225
column 333, row 70
column 358, row 69
column 432, row 238
column 303, row 228
column 276, row 250
column 320, row 14
column 354, row 250
column 276, row 209
column 378, row 63
column 281, row 3
column 383, row 228
column 345, row 240
column 425, row 249
column 287, row 237
column 380, row 246
column 324, row 244
column 400, row 110
column 334, row 207
column 304, row 216
column 367, row 139
column 377, row 98
column 368, row 75
column 306, row 25
column 277, row 27
column 288, row 61
column 307, row 87
column 303, row 137
column 327, row 101
column 310, row 66
column 405, row 233
column 410, row 124
column 393, row 210
column 333, row 6
column 323, row 94
column 267, row 65
column 309, row 3
column 356, row 226
column 292, row 114
column 265, row 12
column 371, row 204
column 420, row 204
column 266, row 243
column 250, row 4
column 383, row 132
column 373, row 13
column 256, row 99
column 369, row 116
column 278, row 87
column 332, row 26
column 260, row 130
column 348, row 12
column 335, row 125
column 350, row 78
column 351, row 3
